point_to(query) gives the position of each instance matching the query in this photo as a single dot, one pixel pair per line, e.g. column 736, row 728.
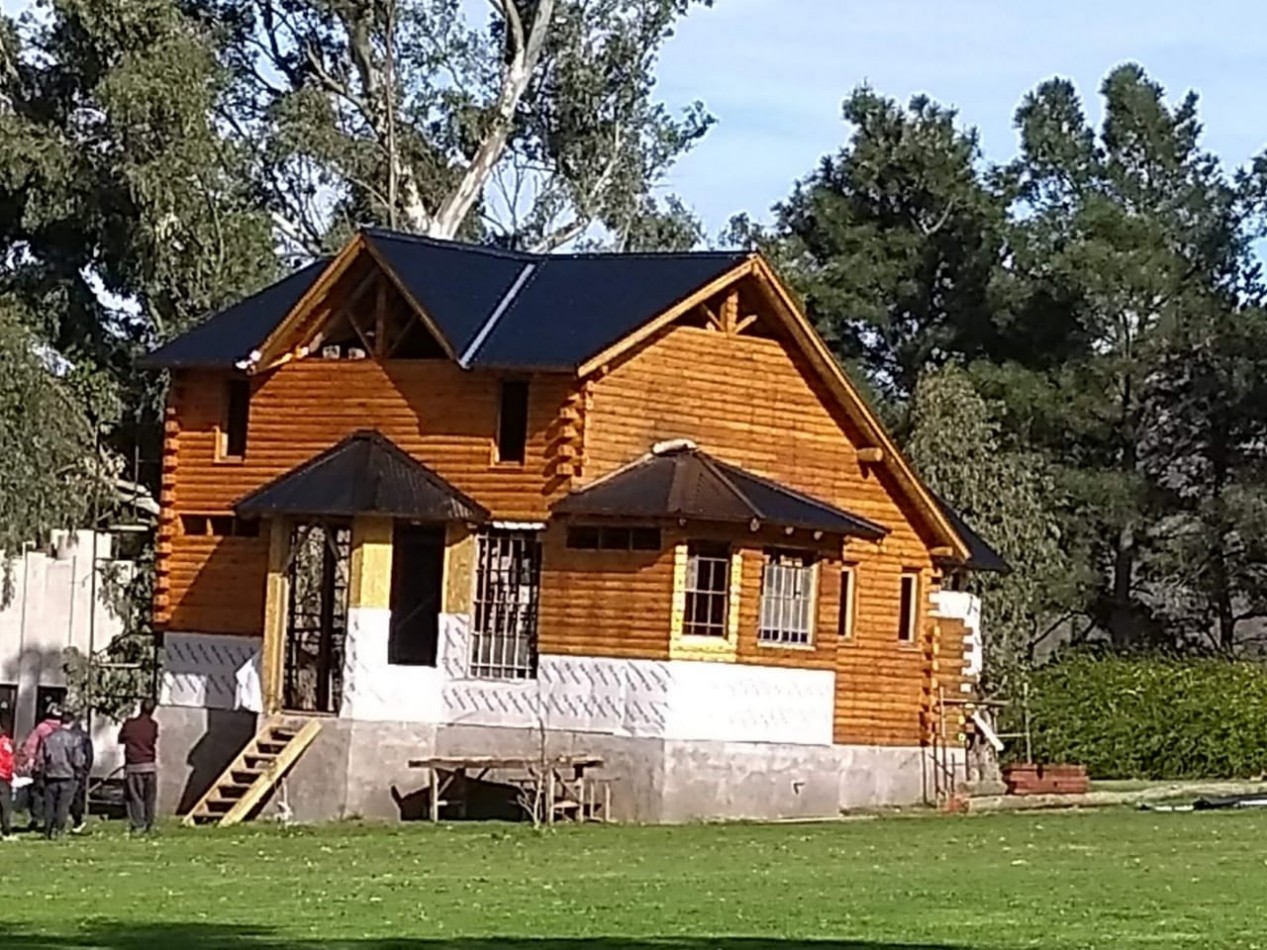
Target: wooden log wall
column 750, row 400
column 440, row 414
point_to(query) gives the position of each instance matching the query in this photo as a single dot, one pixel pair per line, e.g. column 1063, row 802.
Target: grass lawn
column 1113, row 879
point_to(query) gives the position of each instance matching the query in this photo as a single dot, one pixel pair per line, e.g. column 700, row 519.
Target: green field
column 1106, row 879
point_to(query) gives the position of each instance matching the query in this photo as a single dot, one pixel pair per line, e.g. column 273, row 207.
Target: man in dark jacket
column 61, row 761
column 139, row 738
column 79, row 800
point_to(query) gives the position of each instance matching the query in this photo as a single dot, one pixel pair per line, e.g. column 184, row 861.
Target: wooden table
column 543, row 778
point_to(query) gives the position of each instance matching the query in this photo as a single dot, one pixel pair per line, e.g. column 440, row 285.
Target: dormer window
column 512, row 421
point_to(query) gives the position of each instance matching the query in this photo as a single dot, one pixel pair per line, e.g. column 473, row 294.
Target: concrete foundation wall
column 358, row 769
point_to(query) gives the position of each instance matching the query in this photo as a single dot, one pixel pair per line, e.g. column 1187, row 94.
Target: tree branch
column 525, row 54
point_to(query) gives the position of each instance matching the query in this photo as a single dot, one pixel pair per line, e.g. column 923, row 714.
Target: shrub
column 1150, row 717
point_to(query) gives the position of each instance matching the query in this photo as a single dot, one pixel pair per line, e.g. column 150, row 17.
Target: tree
column 50, row 477
column 123, row 210
column 896, row 242
column 958, row 446
column 1136, row 229
column 1205, row 460
column 528, row 131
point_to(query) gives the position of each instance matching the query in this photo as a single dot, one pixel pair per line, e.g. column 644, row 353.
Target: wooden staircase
column 235, row 795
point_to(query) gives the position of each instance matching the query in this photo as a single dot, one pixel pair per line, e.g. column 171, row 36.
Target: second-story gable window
column 235, row 418
column 512, row 421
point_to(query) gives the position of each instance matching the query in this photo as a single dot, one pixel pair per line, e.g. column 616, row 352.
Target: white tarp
column 247, row 693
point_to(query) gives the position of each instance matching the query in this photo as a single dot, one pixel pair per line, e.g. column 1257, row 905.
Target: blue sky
column 774, row 73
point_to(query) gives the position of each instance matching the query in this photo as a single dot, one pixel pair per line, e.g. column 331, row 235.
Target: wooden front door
column 316, row 623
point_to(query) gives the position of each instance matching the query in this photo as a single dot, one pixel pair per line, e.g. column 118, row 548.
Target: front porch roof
column 683, row 482
column 365, row 474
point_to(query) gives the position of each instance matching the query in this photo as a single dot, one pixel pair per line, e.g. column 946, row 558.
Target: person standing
column 79, row 800
column 61, row 762
column 139, row 738
column 28, row 763
column 6, row 781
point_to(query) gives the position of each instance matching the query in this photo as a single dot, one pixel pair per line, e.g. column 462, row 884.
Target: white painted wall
column 960, row 605
column 52, row 608
column 674, row 699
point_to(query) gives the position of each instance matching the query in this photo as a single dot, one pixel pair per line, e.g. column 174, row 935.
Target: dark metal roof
column 365, row 474
column 683, row 482
column 494, row 308
column 229, row 336
column 572, row 308
column 981, row 557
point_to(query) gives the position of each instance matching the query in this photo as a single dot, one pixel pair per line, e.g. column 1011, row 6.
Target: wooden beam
column 651, row 327
column 745, row 323
column 380, row 318
column 413, row 303
column 871, row 454
column 370, row 580
column 730, row 312
column 276, row 595
column 711, row 318
column 312, row 297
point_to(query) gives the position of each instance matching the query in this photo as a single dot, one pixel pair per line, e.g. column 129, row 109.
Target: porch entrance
column 417, row 586
column 317, row 621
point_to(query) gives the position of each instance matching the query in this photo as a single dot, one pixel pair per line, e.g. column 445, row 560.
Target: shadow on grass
column 108, row 936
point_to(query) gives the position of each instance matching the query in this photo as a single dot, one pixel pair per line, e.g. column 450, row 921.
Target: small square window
column 645, row 539
column 583, row 538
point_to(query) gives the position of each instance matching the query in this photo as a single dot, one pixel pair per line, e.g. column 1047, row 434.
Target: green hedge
column 1150, row 717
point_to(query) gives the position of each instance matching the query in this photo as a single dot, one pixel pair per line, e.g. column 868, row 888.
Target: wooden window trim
column 772, row 559
column 910, row 619
column 848, row 606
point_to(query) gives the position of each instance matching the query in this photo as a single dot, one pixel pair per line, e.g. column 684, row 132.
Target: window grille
column 707, row 589
column 787, row 600
column 507, row 584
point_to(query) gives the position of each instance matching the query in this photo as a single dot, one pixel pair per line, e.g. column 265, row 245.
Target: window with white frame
column 707, row 589
column 507, row 584
column 787, row 599
column 908, row 621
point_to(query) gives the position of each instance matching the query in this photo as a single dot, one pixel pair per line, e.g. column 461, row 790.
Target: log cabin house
column 443, row 499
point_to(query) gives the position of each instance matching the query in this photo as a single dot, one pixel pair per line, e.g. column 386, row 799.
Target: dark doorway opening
column 317, row 622
column 417, row 584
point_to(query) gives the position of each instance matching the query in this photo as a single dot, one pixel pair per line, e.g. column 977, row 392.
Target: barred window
column 787, row 599
column 507, row 584
column 707, row 589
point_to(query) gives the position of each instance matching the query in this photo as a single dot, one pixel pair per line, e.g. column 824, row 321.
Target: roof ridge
column 715, row 466
column 522, row 257
column 543, row 257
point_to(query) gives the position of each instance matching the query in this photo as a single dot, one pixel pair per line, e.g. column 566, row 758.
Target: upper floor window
column 787, row 599
column 235, row 418
column 908, row 619
column 707, row 589
column 512, row 421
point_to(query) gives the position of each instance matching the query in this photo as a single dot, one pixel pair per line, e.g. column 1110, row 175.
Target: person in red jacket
column 6, row 782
